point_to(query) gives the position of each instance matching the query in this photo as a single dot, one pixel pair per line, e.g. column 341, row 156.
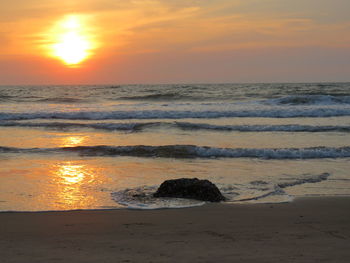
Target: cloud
column 139, row 30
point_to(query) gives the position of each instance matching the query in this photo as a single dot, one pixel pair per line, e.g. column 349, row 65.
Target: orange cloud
column 125, row 31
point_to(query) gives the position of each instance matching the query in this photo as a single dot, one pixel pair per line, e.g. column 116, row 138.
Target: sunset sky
column 173, row 41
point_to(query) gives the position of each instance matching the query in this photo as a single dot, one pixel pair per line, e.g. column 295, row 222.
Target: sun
column 72, row 48
column 71, row 41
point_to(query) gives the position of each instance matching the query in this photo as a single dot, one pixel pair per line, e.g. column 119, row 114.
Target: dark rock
column 190, row 188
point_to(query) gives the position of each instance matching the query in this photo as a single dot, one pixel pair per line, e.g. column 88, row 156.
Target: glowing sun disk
column 71, row 42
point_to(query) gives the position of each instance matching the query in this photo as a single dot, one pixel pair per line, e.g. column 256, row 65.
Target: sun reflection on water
column 71, row 174
column 72, row 141
column 73, row 183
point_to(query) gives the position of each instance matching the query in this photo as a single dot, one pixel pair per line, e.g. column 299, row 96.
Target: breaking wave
column 310, row 100
column 160, row 114
column 100, row 126
column 262, row 128
column 191, row 151
column 140, row 126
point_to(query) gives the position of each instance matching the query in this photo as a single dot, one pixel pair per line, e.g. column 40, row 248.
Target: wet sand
column 306, row 230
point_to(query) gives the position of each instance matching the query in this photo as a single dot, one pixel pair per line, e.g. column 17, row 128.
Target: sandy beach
column 306, row 230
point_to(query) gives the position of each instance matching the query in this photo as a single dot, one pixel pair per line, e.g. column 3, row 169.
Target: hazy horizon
column 173, row 83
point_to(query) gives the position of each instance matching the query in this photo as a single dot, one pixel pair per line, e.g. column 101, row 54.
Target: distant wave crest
column 140, row 126
column 192, row 151
column 160, row 114
column 159, row 96
column 310, row 100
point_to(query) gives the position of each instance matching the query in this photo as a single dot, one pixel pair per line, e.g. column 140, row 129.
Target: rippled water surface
column 93, row 147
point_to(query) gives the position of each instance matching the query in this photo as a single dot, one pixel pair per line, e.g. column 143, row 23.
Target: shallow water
column 93, row 147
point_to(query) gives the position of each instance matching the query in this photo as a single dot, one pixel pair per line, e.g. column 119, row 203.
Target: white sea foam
column 276, row 112
column 136, row 126
column 140, row 126
column 262, row 191
column 192, row 151
column 305, row 180
column 142, row 198
column 253, row 192
column 263, row 128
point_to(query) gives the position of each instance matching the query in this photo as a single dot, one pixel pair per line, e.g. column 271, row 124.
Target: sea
column 111, row 146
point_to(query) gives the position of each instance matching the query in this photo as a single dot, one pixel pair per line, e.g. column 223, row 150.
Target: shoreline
column 222, row 203
column 309, row 229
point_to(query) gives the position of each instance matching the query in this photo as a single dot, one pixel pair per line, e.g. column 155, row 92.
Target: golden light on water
column 71, row 180
column 72, row 141
column 71, row 174
column 71, row 40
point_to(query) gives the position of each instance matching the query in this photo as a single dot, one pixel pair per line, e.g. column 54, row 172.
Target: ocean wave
column 158, row 96
column 262, row 128
column 140, row 126
column 60, row 100
column 7, row 98
column 160, row 114
column 134, row 127
column 310, row 100
column 192, row 151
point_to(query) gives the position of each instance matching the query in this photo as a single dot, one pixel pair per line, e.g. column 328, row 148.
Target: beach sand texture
column 306, row 230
